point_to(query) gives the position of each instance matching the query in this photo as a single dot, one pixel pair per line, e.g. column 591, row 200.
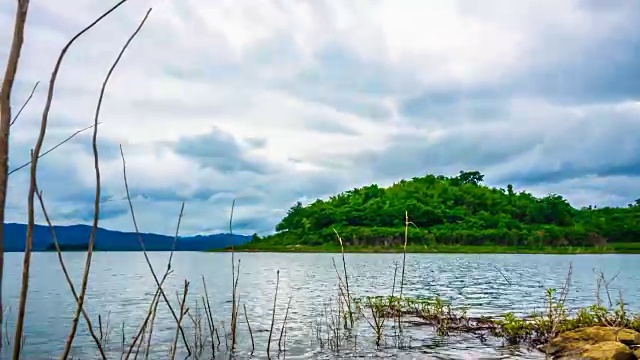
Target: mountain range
column 76, row 237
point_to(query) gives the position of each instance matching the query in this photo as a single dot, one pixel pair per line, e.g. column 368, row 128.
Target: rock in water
column 608, row 350
column 597, row 343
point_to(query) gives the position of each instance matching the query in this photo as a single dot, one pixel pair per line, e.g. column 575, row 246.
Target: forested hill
column 454, row 211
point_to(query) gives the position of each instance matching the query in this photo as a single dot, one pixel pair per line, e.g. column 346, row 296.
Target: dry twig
column 54, row 147
column 25, row 103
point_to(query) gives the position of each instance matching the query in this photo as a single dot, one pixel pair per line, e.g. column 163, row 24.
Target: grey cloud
column 220, row 151
column 479, row 103
column 256, row 142
column 337, row 69
column 593, row 190
column 367, row 106
column 608, row 73
column 329, row 126
column 603, row 143
column 462, row 148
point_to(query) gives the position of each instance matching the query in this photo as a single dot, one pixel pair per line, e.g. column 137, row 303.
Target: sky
column 273, row 102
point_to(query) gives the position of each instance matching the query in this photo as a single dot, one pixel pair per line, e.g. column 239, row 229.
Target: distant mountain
column 76, row 238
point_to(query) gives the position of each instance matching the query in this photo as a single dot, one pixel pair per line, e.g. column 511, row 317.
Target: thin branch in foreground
column 68, row 278
column 146, row 256
column 96, row 210
column 234, row 281
column 10, row 72
column 32, row 186
column 55, row 147
column 25, row 103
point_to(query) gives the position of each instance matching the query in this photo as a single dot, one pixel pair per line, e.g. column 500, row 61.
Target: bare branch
column 25, row 103
column 5, row 123
column 32, row 187
column 67, row 277
column 96, row 213
column 53, row 148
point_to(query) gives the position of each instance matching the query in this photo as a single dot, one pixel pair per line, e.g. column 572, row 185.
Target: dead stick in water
column 246, row 317
column 273, row 313
column 146, row 256
column 284, row 325
column 182, row 312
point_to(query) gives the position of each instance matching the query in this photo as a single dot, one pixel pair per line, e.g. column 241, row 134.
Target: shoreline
column 627, row 248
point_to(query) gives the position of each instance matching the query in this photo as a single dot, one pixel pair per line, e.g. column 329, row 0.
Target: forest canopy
column 457, row 210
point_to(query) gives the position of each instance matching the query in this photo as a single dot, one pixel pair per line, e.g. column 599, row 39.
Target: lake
column 121, row 287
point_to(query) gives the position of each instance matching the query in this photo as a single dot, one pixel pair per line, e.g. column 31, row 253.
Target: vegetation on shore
column 620, row 248
column 454, row 214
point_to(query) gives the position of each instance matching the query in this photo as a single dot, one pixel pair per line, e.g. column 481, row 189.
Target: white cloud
column 315, row 84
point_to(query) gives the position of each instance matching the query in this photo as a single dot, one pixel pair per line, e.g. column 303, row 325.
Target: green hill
column 453, row 211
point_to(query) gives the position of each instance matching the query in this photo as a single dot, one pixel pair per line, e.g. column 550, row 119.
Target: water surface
column 121, row 287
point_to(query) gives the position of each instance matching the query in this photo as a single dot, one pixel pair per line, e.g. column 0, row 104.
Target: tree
column 470, row 177
column 454, row 210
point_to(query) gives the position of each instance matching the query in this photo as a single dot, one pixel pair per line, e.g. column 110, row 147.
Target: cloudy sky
column 271, row 102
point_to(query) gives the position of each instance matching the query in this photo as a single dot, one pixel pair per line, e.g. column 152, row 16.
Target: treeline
column 454, row 211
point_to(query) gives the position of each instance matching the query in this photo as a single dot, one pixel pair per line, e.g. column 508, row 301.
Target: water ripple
column 121, row 287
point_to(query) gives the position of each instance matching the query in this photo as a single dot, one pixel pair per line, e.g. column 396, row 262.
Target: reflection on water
column 121, row 288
